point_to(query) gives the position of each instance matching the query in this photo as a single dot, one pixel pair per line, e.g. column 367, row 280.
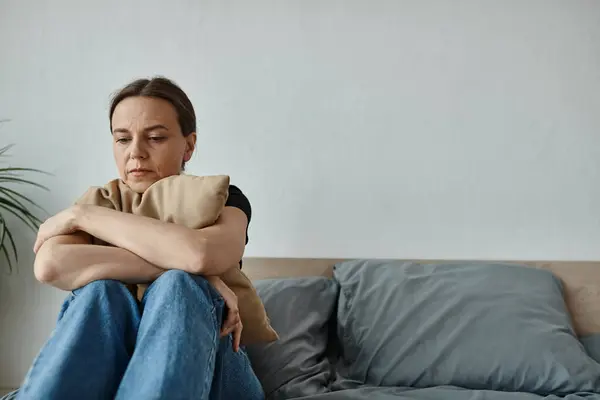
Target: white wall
column 463, row 129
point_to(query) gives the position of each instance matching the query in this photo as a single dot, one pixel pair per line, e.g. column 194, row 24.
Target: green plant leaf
column 7, row 256
column 5, row 148
column 17, row 204
column 12, row 198
column 13, row 194
column 6, row 233
column 12, row 243
column 12, row 179
column 3, row 229
column 23, row 214
column 12, row 170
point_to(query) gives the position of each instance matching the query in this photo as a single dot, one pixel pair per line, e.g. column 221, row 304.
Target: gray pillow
column 591, row 343
column 300, row 310
column 478, row 326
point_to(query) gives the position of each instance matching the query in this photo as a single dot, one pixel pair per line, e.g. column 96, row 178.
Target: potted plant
column 13, row 202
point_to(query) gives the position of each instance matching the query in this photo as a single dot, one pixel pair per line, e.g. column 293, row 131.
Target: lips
column 139, row 172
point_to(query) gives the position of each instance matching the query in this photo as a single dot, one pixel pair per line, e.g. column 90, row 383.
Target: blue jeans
column 107, row 346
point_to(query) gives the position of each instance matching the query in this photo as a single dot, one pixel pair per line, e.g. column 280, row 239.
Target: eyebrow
column 147, row 129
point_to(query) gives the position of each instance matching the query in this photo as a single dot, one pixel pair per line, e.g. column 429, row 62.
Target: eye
column 158, row 138
column 122, row 140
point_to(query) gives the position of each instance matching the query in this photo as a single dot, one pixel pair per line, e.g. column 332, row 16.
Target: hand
column 63, row 223
column 234, row 321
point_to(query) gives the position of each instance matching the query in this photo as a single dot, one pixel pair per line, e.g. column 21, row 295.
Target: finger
column 229, row 326
column 237, row 337
column 233, row 317
column 227, row 330
column 37, row 245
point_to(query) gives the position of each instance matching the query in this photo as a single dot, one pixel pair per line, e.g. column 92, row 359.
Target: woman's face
column 147, row 141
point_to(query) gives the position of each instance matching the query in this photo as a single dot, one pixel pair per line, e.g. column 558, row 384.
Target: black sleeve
column 238, row 199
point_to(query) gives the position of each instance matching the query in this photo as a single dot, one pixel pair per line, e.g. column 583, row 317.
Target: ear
column 190, row 145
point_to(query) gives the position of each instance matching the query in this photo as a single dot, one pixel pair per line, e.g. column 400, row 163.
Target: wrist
column 80, row 213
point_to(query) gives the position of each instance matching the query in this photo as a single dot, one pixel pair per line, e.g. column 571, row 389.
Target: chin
column 138, row 186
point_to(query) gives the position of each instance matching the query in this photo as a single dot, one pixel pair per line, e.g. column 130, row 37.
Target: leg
column 89, row 349
column 234, row 377
column 177, row 340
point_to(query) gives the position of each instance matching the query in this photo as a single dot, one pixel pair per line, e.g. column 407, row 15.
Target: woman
column 182, row 340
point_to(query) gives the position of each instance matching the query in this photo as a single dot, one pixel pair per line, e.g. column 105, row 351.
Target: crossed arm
column 143, row 248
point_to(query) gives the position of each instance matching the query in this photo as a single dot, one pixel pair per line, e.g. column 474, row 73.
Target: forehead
column 139, row 111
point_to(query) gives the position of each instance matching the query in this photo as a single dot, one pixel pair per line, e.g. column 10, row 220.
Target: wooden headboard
column 265, row 267
column 581, row 280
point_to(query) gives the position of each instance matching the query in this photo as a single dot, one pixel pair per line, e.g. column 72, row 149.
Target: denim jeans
column 107, row 346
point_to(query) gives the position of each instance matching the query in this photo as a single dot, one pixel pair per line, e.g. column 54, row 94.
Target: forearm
column 71, row 266
column 166, row 245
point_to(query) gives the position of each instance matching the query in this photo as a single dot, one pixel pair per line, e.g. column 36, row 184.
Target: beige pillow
column 196, row 202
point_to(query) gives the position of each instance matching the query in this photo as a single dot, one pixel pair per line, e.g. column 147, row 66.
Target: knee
column 175, row 280
column 177, row 277
column 174, row 276
column 104, row 288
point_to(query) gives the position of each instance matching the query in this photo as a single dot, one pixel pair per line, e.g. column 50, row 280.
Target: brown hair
column 162, row 88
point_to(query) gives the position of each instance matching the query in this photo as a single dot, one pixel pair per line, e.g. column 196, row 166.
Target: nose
column 138, row 150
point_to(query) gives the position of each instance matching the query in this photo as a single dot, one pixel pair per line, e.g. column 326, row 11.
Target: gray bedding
column 437, row 393
column 503, row 331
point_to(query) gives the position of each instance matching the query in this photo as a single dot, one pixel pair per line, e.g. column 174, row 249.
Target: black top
column 238, row 199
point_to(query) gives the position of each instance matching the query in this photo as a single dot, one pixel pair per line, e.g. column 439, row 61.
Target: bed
column 428, row 329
